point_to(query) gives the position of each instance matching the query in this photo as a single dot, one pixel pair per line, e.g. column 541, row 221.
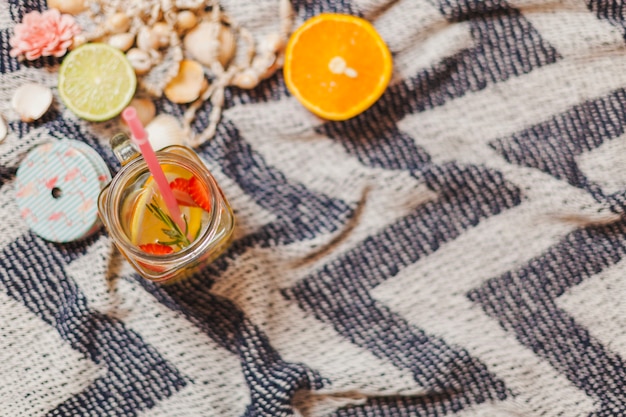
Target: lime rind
column 96, row 81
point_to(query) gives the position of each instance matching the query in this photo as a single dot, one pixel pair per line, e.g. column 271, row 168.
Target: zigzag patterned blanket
column 458, row 249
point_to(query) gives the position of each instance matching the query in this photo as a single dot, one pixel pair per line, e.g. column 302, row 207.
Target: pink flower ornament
column 43, row 34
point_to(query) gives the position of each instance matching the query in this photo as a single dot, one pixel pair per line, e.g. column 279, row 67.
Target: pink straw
column 140, row 138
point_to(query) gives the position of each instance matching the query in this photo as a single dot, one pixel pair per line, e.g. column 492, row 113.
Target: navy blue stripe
column 553, row 146
column 18, row 8
column 7, row 62
column 307, row 9
column 263, row 368
column 339, row 293
column 22, row 128
column 301, row 214
column 137, row 375
column 524, row 302
column 506, row 45
column 377, row 142
column 612, row 11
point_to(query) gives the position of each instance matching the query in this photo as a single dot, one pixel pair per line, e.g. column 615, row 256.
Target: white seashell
column 118, row 23
column 162, row 32
column 140, row 60
column 186, row 20
column 210, row 41
column 147, row 39
column 146, row 110
column 72, row 7
column 165, row 130
column 188, row 4
column 246, row 79
column 4, row 128
column 31, row 101
column 122, row 41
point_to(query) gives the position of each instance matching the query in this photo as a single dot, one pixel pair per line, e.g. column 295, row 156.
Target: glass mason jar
column 123, row 208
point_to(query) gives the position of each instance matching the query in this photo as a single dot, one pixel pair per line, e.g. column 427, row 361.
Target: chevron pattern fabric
column 459, row 249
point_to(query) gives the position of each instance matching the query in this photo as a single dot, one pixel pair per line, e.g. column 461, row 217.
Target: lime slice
column 96, row 81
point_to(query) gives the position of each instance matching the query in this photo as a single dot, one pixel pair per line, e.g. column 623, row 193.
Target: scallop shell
column 165, row 130
column 188, row 83
column 204, row 48
column 31, row 101
column 147, row 39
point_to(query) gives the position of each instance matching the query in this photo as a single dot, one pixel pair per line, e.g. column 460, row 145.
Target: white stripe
column 468, row 123
column 606, row 165
column 39, row 369
column 418, row 36
column 5, row 16
column 571, row 28
column 11, row 226
column 598, row 305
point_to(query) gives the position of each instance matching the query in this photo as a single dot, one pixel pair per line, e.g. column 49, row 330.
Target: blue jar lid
column 57, row 188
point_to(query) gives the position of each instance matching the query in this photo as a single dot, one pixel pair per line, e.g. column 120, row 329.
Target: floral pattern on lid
column 57, row 187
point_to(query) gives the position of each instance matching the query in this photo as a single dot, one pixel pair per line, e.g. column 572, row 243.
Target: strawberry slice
column 180, row 188
column 200, row 193
column 156, row 249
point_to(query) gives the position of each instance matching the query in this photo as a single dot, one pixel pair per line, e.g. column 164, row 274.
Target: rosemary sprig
column 173, row 230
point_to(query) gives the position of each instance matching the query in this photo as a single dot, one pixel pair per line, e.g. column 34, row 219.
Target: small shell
column 118, row 23
column 146, row 109
column 188, row 4
column 246, row 79
column 31, row 101
column 186, row 20
column 122, row 41
column 72, row 7
column 4, row 129
column 147, row 39
column 162, row 32
column 165, row 130
column 188, row 83
column 228, row 43
column 140, row 60
column 207, row 43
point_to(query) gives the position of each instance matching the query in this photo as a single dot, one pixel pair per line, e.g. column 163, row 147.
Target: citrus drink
column 145, row 218
column 139, row 223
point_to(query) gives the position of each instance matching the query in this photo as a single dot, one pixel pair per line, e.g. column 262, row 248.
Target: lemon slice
column 145, row 227
column 96, row 81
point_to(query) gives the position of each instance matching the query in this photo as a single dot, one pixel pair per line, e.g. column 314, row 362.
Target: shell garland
column 183, row 49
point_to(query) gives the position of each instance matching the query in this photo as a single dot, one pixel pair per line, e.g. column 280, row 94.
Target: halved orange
column 337, row 65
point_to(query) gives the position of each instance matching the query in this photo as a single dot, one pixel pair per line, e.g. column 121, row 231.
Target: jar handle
column 123, row 148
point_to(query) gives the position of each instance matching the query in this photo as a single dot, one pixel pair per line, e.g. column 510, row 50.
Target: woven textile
column 457, row 249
